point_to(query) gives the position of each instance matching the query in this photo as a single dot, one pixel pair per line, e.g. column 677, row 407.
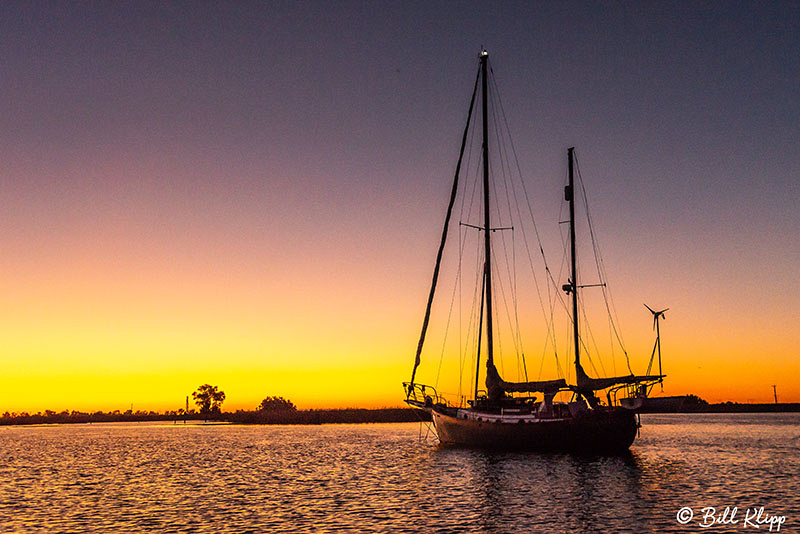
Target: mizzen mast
column 572, row 285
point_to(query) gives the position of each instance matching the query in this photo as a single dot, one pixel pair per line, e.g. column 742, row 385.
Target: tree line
column 208, row 400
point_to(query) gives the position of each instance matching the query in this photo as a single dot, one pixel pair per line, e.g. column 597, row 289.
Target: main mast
column 486, row 213
column 569, row 193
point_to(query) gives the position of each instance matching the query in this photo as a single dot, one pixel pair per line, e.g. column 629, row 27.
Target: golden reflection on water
column 356, row 478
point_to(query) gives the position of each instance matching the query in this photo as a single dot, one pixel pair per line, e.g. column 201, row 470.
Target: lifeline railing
column 422, row 395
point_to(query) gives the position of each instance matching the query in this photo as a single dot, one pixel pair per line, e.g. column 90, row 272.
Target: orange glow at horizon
column 104, row 348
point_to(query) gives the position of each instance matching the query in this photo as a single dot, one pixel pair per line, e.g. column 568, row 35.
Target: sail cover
column 496, row 386
column 586, row 383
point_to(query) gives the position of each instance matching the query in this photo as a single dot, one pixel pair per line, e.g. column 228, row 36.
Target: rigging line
column 601, row 269
column 517, row 339
column 506, row 159
column 516, row 336
column 498, row 355
column 507, row 264
column 463, row 344
column 592, row 340
column 591, row 337
column 613, row 310
column 541, row 365
column 467, row 173
column 524, row 188
column 524, row 367
column 586, row 327
column 549, row 318
column 516, row 302
column 561, row 268
column 601, row 275
column 572, row 318
column 557, row 297
column 475, row 189
column 530, row 211
column 502, row 292
column 652, row 356
column 551, row 334
column 426, row 320
column 447, row 329
column 519, row 170
column 476, row 298
column 465, row 349
column 601, row 272
column 505, row 167
column 468, row 347
column 552, row 299
column 551, row 330
column 460, row 309
column 570, row 344
column 480, row 334
column 467, row 169
column 472, row 344
column 613, row 352
column 473, row 324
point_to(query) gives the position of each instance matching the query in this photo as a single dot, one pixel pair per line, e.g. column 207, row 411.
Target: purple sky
column 692, row 103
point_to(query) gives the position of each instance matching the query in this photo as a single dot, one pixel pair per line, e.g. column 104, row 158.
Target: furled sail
column 496, row 386
column 586, row 383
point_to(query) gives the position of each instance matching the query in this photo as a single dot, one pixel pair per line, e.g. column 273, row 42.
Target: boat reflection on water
column 542, row 491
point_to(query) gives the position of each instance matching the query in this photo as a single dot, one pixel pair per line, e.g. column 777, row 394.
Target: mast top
column 484, row 53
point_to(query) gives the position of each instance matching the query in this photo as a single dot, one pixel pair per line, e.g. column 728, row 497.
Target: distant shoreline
column 332, row 416
column 733, row 407
column 295, row 417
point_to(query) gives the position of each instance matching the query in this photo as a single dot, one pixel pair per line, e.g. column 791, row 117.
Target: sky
column 251, row 194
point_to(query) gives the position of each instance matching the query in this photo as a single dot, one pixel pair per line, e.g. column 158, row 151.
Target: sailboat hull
column 611, row 431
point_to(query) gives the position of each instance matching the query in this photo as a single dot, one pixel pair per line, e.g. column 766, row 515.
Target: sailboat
column 506, row 415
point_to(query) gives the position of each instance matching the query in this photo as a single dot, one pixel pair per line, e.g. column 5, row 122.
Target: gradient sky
column 251, row 194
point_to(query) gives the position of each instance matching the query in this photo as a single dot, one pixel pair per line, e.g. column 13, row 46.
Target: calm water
column 360, row 478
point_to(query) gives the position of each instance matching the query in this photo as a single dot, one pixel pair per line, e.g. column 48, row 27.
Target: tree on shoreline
column 209, row 399
column 276, row 404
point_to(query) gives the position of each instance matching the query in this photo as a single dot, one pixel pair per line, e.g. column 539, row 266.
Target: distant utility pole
column 775, row 393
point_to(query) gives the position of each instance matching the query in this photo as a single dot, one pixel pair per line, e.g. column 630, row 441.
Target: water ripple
column 381, row 478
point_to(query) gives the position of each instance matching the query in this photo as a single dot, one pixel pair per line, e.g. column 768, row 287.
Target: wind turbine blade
column 649, row 308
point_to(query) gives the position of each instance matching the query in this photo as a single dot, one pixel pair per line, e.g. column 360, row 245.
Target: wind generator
column 656, row 316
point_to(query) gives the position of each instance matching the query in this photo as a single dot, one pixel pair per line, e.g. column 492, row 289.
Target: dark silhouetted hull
column 610, row 431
